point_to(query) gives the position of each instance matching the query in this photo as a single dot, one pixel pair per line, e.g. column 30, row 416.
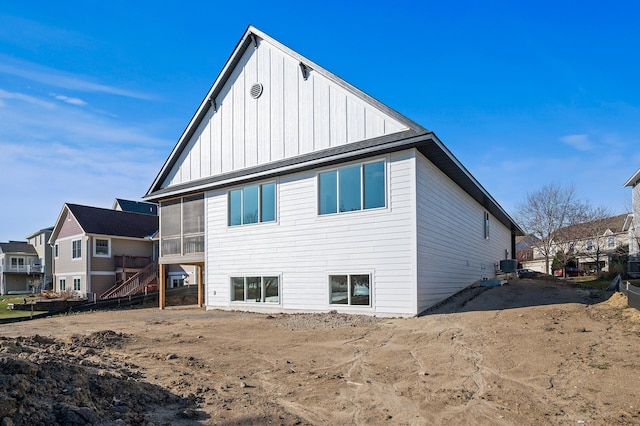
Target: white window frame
column 95, row 246
column 611, row 241
column 385, row 163
column 79, row 281
column 73, row 257
column 260, row 221
column 62, row 284
column 349, row 296
column 262, row 292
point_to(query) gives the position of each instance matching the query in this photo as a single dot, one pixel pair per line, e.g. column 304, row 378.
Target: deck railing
column 136, row 284
column 132, row 262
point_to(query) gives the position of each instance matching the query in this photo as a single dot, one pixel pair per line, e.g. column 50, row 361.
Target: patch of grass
column 7, row 313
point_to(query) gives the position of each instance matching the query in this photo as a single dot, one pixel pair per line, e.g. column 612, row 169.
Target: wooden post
column 161, row 285
column 200, row 269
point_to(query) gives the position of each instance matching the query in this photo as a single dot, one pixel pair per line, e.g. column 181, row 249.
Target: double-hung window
column 352, row 188
column 255, row 289
column 76, row 284
column 101, row 248
column 252, row 204
column 62, row 283
column 76, row 249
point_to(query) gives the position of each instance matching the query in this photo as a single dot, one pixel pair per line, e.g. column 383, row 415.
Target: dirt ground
column 530, row 352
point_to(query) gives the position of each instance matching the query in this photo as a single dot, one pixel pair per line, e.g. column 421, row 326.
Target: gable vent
column 256, row 91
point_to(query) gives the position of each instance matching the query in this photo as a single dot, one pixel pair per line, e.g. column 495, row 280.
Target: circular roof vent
column 256, row 90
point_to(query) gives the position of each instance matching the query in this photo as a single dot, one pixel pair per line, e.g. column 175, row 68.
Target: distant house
column 40, row 242
column 591, row 246
column 295, row 191
column 98, row 250
column 20, row 267
column 135, row 206
column 633, row 226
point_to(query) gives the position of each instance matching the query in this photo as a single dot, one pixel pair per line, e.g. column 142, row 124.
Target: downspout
column 88, row 271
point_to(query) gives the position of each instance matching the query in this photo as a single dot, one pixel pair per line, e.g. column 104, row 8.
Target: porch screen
column 170, row 214
column 193, row 224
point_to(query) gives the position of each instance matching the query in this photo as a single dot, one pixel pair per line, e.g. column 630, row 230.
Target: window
column 352, row 188
column 76, row 284
column 101, row 248
column 611, row 242
column 56, row 250
column 255, row 289
column 16, row 262
column 182, row 226
column 589, row 245
column 486, row 225
column 350, row 289
column 252, row 204
column 62, row 284
column 76, row 250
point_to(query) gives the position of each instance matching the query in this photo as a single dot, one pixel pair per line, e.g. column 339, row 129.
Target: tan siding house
column 96, row 249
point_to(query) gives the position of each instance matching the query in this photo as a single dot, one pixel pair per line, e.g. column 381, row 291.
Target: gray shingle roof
column 100, row 221
column 137, row 206
column 17, row 247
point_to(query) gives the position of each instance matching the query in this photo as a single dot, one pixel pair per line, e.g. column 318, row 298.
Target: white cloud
column 69, row 100
column 579, row 142
column 53, row 77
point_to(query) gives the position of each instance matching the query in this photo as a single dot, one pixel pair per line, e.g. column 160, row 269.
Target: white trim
column 103, row 273
column 74, row 283
column 81, row 249
column 370, row 273
column 261, row 276
column 95, row 240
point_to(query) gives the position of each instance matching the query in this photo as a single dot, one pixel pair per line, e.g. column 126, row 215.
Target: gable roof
column 633, row 179
column 108, row 222
column 614, row 224
column 17, row 247
column 412, row 136
column 135, row 206
column 42, row 231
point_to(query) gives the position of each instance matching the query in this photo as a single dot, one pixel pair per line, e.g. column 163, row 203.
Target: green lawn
column 6, row 313
column 601, row 283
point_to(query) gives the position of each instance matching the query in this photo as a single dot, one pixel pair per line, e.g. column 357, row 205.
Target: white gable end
column 293, row 115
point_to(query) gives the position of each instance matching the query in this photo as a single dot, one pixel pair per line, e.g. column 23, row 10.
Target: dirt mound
column 52, row 382
column 617, row 300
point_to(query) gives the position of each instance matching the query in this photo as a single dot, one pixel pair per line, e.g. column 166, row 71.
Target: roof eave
column 633, row 179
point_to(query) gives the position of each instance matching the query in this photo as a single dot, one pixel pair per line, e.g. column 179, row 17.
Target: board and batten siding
column 293, row 116
column 452, row 252
column 303, row 248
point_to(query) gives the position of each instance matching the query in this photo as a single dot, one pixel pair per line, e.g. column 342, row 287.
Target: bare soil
column 530, row 352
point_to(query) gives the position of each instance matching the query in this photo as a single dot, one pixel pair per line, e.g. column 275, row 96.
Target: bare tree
column 586, row 236
column 545, row 212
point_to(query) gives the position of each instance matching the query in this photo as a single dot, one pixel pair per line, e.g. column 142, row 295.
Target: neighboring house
column 524, row 248
column 40, row 241
column 135, row 206
column 96, row 250
column 591, row 246
column 633, row 226
column 20, row 267
column 295, row 191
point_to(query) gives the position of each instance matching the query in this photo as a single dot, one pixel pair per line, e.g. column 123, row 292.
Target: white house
column 293, row 191
column 633, row 225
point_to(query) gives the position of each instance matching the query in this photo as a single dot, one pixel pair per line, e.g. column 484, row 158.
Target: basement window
column 255, row 289
column 350, row 289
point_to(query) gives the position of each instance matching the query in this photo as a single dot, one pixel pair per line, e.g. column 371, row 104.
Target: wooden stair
column 145, row 279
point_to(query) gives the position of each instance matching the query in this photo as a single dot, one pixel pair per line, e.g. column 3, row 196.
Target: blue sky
column 94, row 95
